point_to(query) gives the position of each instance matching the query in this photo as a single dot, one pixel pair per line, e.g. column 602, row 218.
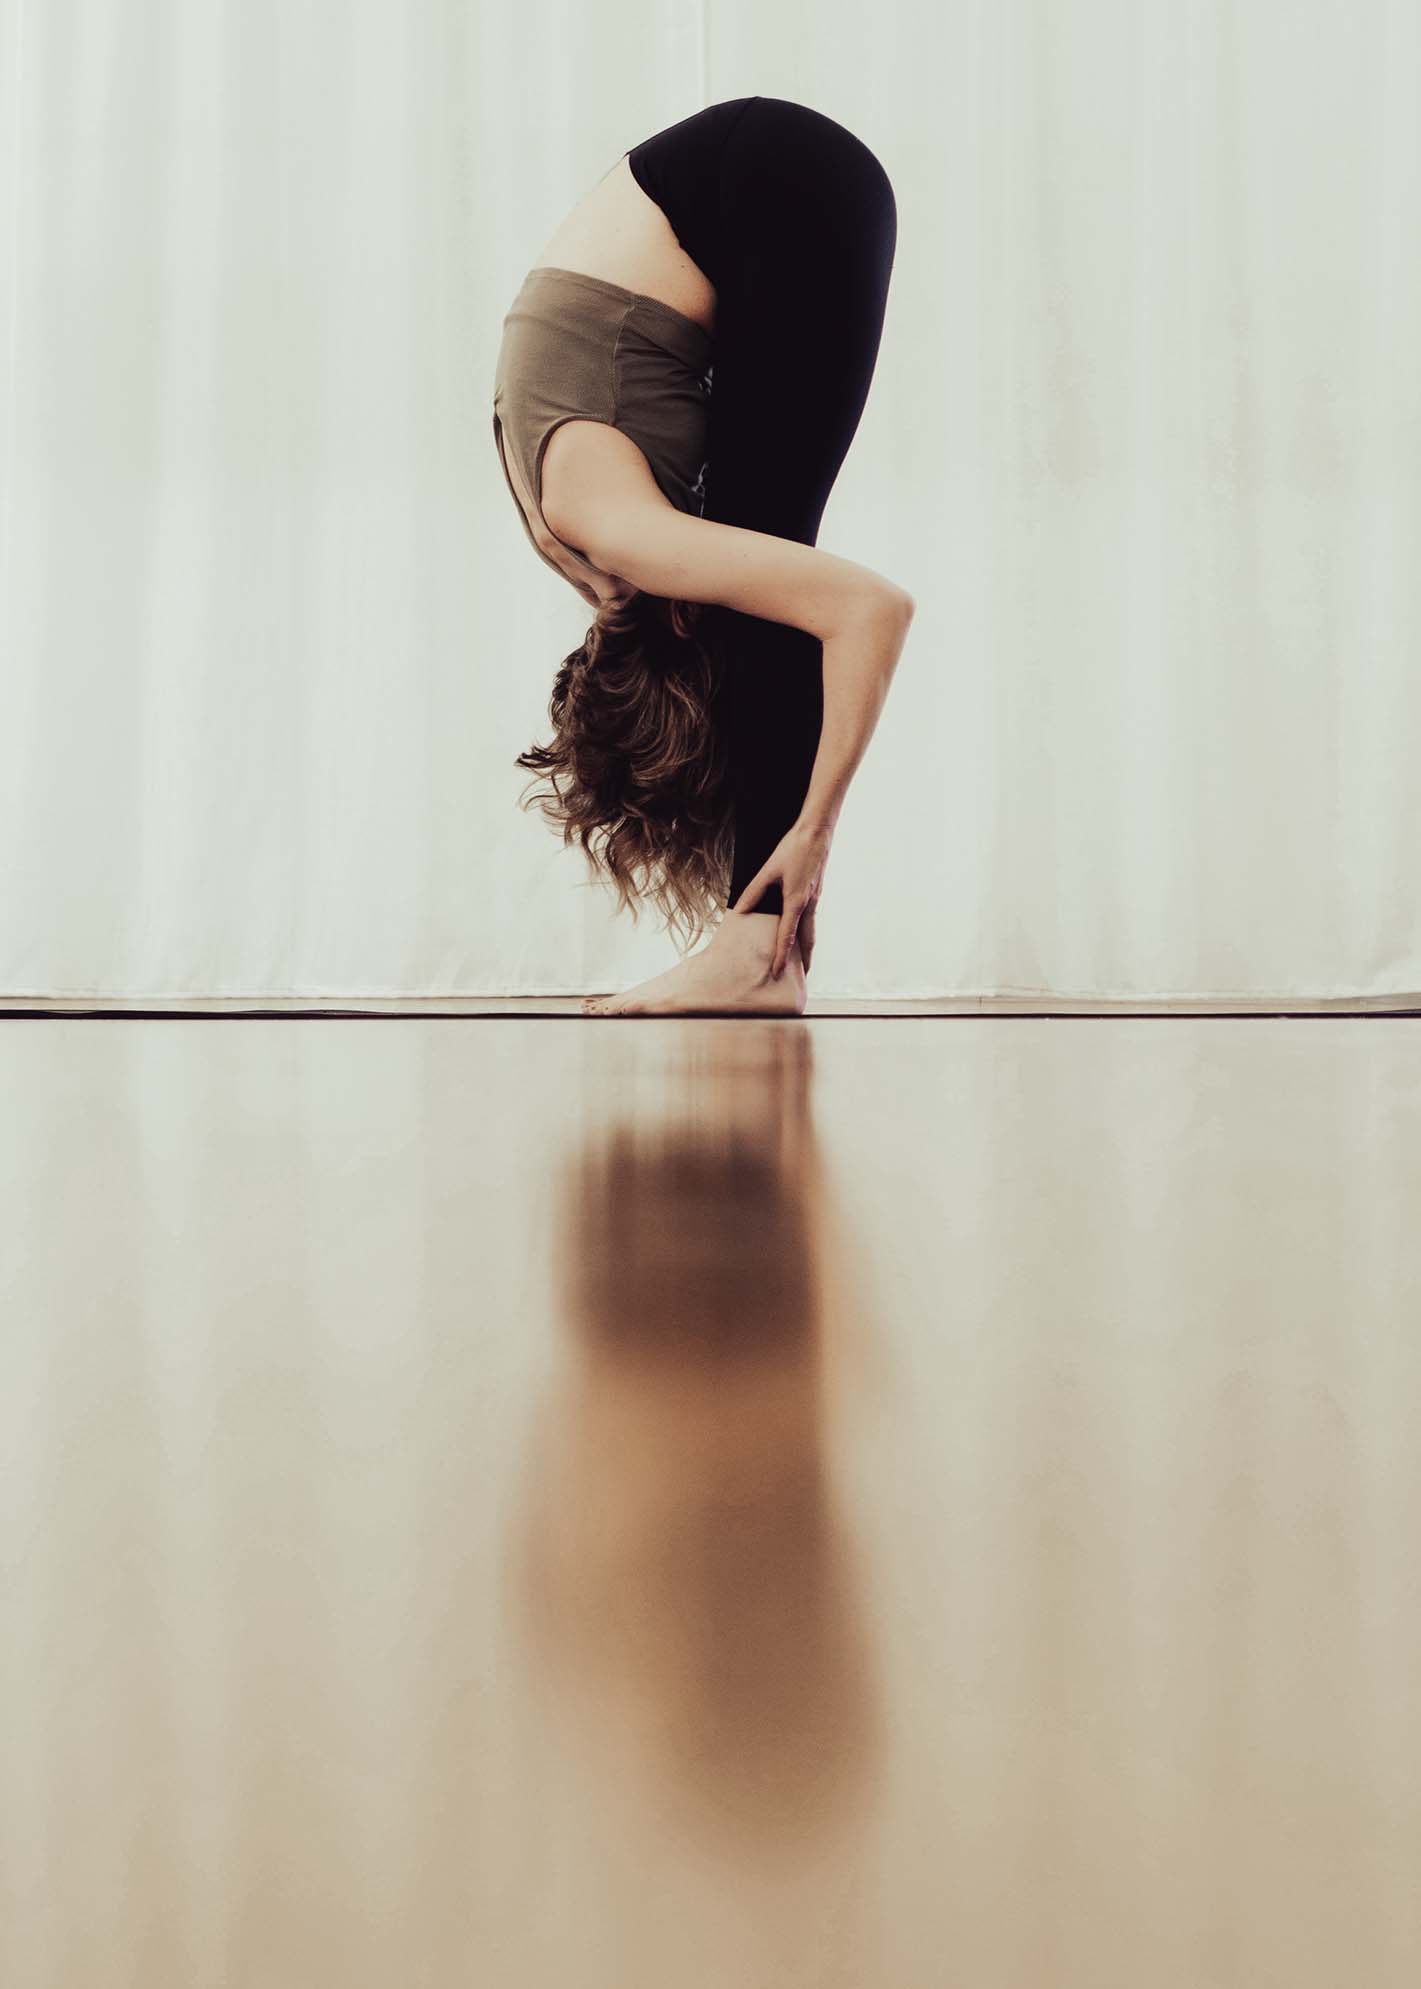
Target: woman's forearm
column 859, row 661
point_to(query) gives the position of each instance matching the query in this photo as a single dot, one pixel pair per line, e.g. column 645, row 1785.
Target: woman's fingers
column 784, row 938
column 806, row 935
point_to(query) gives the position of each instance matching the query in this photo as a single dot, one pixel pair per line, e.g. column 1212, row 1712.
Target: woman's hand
column 798, row 861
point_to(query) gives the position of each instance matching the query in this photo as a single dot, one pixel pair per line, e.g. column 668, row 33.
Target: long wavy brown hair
column 636, row 765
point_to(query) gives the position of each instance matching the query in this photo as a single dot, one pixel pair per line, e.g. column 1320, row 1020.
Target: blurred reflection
column 685, row 1575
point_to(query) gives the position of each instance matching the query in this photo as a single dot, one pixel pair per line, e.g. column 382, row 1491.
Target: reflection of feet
column 730, row 976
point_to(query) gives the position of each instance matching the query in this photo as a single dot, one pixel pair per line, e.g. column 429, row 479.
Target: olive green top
column 578, row 348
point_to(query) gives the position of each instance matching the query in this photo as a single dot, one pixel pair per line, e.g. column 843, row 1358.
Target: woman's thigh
column 808, row 230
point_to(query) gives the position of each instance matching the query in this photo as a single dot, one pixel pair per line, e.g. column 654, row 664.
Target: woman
column 680, row 378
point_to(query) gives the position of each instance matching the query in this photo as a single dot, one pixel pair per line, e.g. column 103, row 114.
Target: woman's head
column 636, row 764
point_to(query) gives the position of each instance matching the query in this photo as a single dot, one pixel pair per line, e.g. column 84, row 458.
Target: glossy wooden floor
column 710, row 1505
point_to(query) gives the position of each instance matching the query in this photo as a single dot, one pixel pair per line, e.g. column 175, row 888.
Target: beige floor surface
column 540, row 1504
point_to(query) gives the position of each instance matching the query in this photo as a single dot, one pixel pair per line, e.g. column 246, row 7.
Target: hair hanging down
column 637, row 760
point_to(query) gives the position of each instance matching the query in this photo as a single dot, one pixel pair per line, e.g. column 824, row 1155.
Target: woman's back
column 617, row 232
column 612, row 328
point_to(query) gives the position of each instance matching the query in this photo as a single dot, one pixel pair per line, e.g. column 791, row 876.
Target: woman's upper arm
column 606, row 501
column 655, row 547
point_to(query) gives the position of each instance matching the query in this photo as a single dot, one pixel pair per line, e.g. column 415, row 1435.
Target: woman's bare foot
column 729, row 976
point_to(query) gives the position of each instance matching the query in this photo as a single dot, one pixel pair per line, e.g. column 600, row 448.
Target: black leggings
column 793, row 220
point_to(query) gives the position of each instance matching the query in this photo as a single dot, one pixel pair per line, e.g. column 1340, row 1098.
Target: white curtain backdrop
column 1145, row 444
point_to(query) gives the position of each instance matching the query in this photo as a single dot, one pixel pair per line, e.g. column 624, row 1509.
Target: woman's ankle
column 754, row 928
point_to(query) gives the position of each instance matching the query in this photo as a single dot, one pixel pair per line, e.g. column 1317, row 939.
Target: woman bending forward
column 680, row 377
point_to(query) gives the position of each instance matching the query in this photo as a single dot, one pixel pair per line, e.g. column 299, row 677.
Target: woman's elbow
column 883, row 602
